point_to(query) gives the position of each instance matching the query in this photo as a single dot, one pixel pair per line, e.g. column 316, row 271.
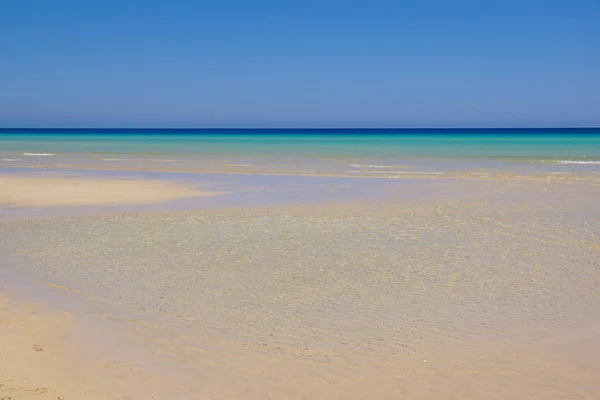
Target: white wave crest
column 373, row 166
column 11, row 159
column 397, row 172
column 578, row 162
column 140, row 159
column 38, row 154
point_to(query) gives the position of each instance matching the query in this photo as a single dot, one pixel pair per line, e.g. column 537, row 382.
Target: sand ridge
column 41, row 191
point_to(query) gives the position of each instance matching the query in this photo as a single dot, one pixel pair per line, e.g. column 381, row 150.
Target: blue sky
column 327, row 63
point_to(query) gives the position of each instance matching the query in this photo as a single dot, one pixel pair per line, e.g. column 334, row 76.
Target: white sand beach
column 475, row 289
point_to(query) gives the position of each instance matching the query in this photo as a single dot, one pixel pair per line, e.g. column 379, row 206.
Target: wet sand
column 36, row 359
column 36, row 191
column 45, row 355
column 521, row 172
column 32, row 362
column 474, row 289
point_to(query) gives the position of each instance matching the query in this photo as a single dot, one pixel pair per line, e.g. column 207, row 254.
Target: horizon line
column 294, row 129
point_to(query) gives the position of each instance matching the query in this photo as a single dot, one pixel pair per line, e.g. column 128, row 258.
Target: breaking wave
column 578, row 162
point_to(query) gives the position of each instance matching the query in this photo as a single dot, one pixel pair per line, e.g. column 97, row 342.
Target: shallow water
column 236, row 190
column 389, row 153
column 465, row 289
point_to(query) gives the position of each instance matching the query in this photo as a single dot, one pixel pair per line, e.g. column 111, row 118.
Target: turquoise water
column 354, row 143
column 297, row 149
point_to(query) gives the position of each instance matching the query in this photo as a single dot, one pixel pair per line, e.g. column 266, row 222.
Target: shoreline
column 395, row 174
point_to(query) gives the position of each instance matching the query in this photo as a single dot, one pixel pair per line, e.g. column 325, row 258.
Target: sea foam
column 38, row 154
column 374, row 166
column 578, row 162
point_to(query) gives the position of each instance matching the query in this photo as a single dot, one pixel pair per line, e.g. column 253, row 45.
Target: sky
column 305, row 63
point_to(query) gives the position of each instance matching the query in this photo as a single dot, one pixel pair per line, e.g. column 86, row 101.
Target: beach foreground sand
column 45, row 356
column 36, row 191
column 475, row 290
column 35, row 363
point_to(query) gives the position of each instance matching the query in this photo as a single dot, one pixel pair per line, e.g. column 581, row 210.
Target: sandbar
column 29, row 191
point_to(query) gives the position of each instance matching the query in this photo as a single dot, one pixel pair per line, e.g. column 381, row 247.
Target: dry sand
column 34, row 191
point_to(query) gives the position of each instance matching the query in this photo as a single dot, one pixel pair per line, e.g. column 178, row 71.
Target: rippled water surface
column 377, row 153
column 466, row 289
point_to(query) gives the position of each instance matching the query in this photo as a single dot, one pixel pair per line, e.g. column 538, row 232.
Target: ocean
column 363, row 152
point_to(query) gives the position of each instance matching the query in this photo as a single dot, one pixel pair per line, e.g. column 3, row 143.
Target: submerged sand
column 476, row 290
column 35, row 191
